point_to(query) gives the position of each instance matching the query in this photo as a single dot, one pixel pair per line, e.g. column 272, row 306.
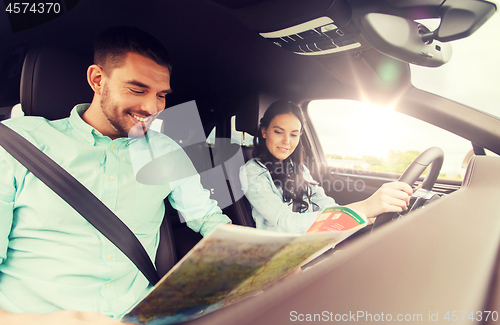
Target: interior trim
column 318, row 22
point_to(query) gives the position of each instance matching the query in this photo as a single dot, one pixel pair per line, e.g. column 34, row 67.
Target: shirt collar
column 88, row 132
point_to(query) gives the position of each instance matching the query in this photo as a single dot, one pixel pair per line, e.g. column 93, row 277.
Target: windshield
column 471, row 77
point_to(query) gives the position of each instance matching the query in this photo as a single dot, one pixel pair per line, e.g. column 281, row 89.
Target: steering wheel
column 433, row 156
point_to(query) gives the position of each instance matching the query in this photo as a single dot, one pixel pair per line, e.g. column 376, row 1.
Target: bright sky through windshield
column 472, row 76
column 361, row 129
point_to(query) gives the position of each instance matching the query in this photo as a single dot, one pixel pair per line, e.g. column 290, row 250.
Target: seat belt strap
column 80, row 198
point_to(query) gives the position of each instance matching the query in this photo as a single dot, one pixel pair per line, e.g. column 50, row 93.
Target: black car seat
column 53, row 81
column 251, row 109
column 218, row 165
column 231, row 157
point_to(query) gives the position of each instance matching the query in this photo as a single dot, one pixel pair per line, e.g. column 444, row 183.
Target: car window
column 10, row 112
column 211, row 137
column 241, row 138
column 471, row 76
column 363, row 136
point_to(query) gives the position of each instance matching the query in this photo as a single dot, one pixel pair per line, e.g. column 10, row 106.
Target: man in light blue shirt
column 52, row 260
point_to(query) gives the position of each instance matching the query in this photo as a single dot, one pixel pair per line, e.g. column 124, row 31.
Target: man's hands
column 390, row 197
column 63, row 317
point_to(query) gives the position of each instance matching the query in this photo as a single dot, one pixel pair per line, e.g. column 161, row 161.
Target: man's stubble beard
column 118, row 120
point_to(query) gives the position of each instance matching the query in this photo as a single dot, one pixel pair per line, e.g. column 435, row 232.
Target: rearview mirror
column 404, row 39
column 460, row 18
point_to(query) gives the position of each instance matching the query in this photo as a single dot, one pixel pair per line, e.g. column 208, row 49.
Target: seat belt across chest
column 80, row 198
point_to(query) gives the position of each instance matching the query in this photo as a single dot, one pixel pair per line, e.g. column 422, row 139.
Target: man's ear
column 95, row 76
column 263, row 130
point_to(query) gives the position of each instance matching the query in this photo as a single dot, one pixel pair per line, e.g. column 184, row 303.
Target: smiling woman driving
column 283, row 195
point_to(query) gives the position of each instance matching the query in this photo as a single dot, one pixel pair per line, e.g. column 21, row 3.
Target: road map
column 232, row 263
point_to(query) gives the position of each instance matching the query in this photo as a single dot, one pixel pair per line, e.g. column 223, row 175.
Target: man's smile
column 140, row 118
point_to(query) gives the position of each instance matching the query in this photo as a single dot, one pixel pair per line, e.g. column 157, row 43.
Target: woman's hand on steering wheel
column 434, row 157
column 390, row 197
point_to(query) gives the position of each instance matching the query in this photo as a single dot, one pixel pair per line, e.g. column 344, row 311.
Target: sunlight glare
column 374, row 133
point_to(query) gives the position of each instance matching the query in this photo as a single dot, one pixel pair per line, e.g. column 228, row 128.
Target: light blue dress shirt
column 268, row 207
column 51, row 258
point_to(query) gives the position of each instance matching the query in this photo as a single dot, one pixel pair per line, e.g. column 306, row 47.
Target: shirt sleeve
column 201, row 213
column 7, row 195
column 267, row 201
column 187, row 196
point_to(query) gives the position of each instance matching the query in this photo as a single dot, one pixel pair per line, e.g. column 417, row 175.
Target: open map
column 230, row 264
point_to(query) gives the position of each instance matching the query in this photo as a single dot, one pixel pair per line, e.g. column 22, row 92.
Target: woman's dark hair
column 287, row 174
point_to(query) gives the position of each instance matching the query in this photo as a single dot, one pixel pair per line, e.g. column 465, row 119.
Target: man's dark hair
column 112, row 45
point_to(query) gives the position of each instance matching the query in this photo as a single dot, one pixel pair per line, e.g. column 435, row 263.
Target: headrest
column 479, row 171
column 247, row 153
column 53, row 81
column 251, row 109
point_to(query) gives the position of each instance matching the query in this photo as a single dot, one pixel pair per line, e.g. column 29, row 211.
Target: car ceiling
column 216, row 57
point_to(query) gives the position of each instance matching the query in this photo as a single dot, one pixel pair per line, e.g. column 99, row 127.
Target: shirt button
column 91, row 140
column 108, row 257
column 111, row 178
column 107, row 285
column 112, row 147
